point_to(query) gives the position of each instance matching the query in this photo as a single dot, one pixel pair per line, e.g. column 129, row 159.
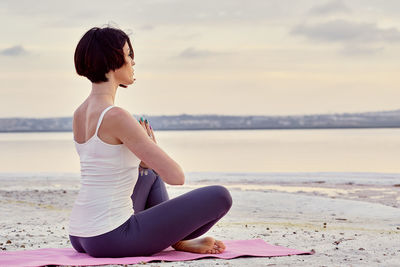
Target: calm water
column 348, row 150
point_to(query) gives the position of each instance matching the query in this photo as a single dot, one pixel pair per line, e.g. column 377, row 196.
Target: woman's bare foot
column 206, row 245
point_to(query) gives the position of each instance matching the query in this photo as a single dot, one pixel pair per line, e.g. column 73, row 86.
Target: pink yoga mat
column 68, row 256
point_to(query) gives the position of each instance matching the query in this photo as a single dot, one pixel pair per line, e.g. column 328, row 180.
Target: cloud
column 14, row 51
column 360, row 50
column 191, row 52
column 347, row 32
column 332, row 7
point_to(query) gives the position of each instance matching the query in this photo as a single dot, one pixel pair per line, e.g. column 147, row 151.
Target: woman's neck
column 104, row 90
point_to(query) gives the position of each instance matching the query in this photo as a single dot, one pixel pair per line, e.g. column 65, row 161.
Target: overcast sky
column 261, row 57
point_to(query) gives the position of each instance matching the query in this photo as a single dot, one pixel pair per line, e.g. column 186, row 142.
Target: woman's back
column 108, row 175
column 85, row 121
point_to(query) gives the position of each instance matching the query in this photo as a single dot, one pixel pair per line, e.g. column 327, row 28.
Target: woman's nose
column 133, row 62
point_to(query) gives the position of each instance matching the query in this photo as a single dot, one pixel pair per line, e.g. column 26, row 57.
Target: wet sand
column 346, row 224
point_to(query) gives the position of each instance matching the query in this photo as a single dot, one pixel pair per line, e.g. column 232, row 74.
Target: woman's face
column 124, row 75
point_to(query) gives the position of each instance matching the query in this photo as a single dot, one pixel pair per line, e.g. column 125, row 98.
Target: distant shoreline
column 221, row 129
column 184, row 122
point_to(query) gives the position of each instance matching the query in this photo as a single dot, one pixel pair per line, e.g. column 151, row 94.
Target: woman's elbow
column 180, row 178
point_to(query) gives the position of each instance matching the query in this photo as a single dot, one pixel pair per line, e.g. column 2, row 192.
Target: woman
column 120, row 210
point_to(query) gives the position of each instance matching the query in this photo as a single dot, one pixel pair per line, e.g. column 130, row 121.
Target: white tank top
column 108, row 176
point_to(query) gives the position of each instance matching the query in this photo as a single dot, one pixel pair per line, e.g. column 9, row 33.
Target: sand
column 346, row 224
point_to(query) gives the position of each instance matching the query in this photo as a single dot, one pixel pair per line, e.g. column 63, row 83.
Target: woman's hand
column 146, row 126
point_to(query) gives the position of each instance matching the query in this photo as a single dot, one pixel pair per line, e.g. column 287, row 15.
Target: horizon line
column 223, row 115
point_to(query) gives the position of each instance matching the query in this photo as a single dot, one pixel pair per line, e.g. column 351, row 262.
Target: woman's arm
column 135, row 137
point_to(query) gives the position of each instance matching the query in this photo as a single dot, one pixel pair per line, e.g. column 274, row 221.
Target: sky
column 228, row 57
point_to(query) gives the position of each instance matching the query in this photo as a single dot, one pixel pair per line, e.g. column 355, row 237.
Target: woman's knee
column 222, row 196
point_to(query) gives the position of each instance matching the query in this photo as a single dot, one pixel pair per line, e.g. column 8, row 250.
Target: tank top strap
column 101, row 118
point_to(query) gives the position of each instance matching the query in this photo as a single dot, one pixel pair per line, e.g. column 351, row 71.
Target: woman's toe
column 220, row 244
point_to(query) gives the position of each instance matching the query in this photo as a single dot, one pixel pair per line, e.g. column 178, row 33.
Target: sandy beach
column 346, row 223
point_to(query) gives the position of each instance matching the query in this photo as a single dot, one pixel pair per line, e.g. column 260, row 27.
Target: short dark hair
column 99, row 51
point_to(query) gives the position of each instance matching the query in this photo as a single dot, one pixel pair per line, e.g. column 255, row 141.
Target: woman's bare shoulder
column 122, row 125
column 118, row 113
column 120, row 119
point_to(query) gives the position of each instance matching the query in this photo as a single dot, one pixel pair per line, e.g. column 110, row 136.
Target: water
column 248, row 151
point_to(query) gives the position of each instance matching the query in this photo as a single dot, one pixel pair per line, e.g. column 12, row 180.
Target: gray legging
column 158, row 222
